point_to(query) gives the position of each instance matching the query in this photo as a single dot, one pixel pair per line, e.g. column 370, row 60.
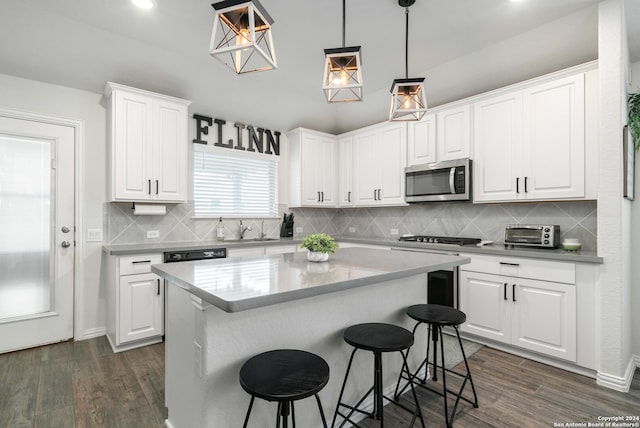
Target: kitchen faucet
column 243, row 229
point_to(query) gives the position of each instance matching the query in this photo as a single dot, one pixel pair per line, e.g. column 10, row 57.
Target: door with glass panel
column 37, row 242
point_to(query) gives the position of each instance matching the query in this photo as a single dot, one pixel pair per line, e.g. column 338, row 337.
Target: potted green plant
column 320, row 245
column 633, row 119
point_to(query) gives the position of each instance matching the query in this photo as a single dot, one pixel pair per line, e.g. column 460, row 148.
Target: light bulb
column 244, row 37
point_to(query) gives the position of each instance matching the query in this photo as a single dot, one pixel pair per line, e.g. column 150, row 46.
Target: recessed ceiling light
column 144, row 4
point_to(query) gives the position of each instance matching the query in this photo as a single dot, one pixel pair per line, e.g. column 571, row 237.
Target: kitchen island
column 221, row 312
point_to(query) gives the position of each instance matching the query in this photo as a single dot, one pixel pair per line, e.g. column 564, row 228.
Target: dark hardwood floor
column 84, row 384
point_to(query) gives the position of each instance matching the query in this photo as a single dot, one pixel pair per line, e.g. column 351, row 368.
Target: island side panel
column 314, row 324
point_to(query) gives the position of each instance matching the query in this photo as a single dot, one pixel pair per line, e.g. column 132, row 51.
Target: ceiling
column 461, row 47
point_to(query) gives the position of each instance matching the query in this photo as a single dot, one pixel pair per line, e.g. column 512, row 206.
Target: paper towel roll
column 149, row 209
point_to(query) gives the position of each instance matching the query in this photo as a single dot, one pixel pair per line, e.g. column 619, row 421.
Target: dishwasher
column 191, row 255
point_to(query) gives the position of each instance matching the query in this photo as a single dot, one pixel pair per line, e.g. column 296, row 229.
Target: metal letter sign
column 255, row 136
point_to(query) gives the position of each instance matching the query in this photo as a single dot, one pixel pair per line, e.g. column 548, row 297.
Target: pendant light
column 241, row 36
column 342, row 81
column 408, row 100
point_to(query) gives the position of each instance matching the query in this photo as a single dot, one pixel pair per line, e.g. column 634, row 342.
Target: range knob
column 546, row 235
column 546, row 241
column 546, row 229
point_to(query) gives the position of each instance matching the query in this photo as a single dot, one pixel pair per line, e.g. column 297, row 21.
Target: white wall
column 37, row 97
column 613, row 311
column 634, row 86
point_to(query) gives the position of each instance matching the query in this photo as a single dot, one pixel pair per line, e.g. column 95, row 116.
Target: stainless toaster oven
column 532, row 235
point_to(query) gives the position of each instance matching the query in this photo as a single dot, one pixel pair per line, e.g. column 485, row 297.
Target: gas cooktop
column 441, row 240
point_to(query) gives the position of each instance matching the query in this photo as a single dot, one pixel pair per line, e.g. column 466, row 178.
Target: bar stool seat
column 285, row 376
column 377, row 338
column 436, row 317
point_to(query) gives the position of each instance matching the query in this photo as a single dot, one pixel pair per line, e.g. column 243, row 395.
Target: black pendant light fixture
column 408, row 100
column 241, row 36
column 342, row 81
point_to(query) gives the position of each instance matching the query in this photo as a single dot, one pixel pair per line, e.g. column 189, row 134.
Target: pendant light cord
column 406, row 44
column 344, row 20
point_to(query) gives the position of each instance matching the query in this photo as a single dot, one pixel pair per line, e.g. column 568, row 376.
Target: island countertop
column 241, row 283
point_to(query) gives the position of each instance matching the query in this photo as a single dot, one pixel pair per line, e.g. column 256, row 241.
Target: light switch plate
column 394, row 232
column 298, row 229
column 352, row 229
column 151, row 234
column 94, row 235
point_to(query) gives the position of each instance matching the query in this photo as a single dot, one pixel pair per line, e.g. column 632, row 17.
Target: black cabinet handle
column 525, row 185
column 375, row 197
column 140, row 261
column 149, row 186
column 318, row 196
column 322, row 194
column 157, row 186
column 517, row 184
column 379, row 194
column 349, row 197
column 513, row 292
column 158, row 286
column 509, row 264
column 505, row 291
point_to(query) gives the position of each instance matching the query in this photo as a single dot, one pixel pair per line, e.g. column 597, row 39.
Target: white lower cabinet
column 532, row 314
column 135, row 301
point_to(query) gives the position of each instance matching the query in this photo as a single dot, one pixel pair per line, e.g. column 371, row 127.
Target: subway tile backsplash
column 485, row 221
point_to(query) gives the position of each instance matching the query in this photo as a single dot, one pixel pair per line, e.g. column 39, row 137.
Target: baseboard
column 636, row 358
column 619, row 383
column 93, row 332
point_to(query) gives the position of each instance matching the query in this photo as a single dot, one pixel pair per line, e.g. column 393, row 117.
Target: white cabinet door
column 497, row 148
column 345, row 172
column 392, row 160
column 422, row 141
column 170, row 151
column 313, row 168
column 132, row 158
column 544, row 318
column 141, row 307
column 379, row 159
column 454, row 133
column 365, row 168
column 554, row 139
column 484, row 299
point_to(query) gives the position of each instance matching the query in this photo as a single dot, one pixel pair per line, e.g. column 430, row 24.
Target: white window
column 228, row 184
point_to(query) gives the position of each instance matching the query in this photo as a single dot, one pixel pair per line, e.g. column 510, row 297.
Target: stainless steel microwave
column 532, row 235
column 441, row 181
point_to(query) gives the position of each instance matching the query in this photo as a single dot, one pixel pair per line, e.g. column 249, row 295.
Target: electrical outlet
column 352, row 229
column 151, row 234
column 94, row 235
column 298, row 229
column 394, row 232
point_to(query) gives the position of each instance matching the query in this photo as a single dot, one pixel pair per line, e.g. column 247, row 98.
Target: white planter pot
column 314, row 256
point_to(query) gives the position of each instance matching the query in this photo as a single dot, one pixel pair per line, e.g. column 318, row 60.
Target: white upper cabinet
column 421, row 147
column 148, row 145
column 313, row 172
column 530, row 144
column 345, row 173
column 454, row 133
column 379, row 159
column 441, row 136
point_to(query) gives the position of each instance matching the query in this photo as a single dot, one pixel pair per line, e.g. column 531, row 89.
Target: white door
column 37, row 235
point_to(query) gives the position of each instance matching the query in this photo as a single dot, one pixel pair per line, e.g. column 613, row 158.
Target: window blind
column 234, row 185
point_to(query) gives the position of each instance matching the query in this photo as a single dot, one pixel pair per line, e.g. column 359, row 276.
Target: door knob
column 65, row 244
column 65, row 229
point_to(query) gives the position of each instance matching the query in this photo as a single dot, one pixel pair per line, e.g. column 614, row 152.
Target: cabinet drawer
column 543, row 270
column 140, row 263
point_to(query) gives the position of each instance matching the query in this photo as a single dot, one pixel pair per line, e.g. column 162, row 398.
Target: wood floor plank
column 54, row 388
column 58, row 418
column 20, row 388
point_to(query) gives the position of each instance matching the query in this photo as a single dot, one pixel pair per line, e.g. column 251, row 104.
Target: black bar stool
column 285, row 376
column 436, row 317
column 377, row 338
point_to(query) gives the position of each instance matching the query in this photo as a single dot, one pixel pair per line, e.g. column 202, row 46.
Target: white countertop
column 240, row 283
